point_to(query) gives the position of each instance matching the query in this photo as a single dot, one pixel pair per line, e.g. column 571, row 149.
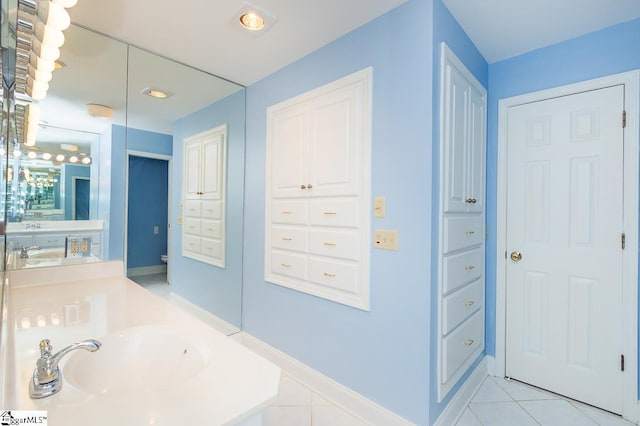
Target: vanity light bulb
column 46, row 156
column 59, row 157
column 65, row 3
column 47, row 35
column 53, row 15
column 45, row 76
column 45, row 51
column 32, row 155
column 73, row 159
column 86, row 160
column 41, row 64
column 17, row 153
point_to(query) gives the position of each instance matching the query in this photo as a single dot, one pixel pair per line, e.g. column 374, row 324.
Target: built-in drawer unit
column 460, row 305
column 462, row 268
column 290, row 265
column 193, row 208
column 211, row 209
column 211, row 228
column 339, row 275
column 462, row 232
column 292, row 212
column 461, row 343
column 191, row 225
column 211, row 248
column 289, row 238
column 342, row 244
column 342, row 213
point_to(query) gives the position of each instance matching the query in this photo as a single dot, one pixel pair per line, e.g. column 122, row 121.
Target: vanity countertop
column 46, row 226
column 73, row 303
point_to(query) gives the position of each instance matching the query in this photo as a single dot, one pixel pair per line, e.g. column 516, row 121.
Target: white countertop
column 74, row 303
column 54, row 226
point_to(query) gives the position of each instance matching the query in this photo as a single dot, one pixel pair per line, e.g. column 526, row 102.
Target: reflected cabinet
column 462, row 222
column 318, row 161
column 203, row 230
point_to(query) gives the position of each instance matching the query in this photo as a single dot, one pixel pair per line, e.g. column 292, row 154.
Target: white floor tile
column 292, row 392
column 556, row 412
column 330, row 415
column 601, row 417
column 501, row 414
column 468, row 419
column 523, row 392
column 491, row 392
column 287, row 416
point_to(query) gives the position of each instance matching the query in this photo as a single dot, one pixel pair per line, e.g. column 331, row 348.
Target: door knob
column 516, row 256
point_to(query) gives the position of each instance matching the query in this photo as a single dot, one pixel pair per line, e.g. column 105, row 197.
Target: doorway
column 80, row 201
column 147, row 221
column 567, row 197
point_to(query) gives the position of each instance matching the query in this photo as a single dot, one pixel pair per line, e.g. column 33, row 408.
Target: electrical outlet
column 179, row 220
column 156, row 229
column 385, row 239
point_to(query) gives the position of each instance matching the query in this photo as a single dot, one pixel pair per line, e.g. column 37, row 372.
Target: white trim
column 454, row 410
column 339, row 394
column 153, row 155
column 146, row 270
column 203, row 315
column 630, row 80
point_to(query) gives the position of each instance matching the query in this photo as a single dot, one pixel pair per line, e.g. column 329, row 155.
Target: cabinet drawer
column 340, row 275
column 191, row 243
column 212, row 209
column 50, row 240
column 294, row 212
column 461, row 232
column 460, row 344
column 333, row 213
column 192, row 226
column 193, row 208
column 211, row 248
column 460, row 269
column 288, row 238
column 211, row 228
column 341, row 244
column 460, row 305
column 290, row 265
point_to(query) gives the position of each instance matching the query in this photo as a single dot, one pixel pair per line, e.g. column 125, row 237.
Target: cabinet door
column 456, row 117
column 288, row 154
column 335, row 140
column 192, row 170
column 212, row 167
column 476, row 151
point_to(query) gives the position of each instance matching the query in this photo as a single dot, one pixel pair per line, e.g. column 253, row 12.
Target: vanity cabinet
column 317, row 191
column 55, row 239
column 461, row 254
column 203, row 227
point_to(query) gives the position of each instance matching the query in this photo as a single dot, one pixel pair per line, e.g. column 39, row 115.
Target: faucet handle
column 45, row 347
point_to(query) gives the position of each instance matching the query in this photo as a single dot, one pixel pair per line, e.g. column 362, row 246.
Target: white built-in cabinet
column 317, row 191
column 461, row 253
column 203, row 226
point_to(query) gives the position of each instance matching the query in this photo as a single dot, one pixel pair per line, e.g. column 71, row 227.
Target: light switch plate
column 385, row 239
column 379, row 207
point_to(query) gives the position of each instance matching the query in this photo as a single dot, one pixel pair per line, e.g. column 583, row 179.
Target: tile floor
column 498, row 401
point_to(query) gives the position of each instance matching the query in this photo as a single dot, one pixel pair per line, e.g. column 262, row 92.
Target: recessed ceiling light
column 68, row 147
column 157, row 93
column 252, row 21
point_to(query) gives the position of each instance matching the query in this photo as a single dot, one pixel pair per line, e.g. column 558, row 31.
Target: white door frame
column 630, row 80
column 155, row 156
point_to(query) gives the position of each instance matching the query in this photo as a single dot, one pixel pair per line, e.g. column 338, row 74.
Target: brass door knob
column 516, row 256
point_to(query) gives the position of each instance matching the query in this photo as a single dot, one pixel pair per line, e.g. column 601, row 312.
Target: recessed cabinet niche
column 462, row 222
column 317, row 191
column 203, row 227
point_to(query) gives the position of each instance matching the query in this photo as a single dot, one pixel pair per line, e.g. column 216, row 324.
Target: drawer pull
column 309, row 186
column 469, row 267
column 328, row 274
column 285, row 265
column 471, row 201
column 330, row 244
column 470, row 232
column 286, row 212
column 303, row 187
column 330, row 213
column 469, row 303
column 286, row 239
column 468, row 342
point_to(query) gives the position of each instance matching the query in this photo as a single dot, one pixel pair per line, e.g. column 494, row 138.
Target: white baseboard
column 456, row 406
column 203, row 315
column 340, row 395
column 146, row 270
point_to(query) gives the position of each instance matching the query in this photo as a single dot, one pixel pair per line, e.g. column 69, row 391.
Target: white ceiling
column 504, row 28
column 205, row 34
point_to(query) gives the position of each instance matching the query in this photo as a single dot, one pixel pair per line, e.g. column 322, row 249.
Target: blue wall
column 70, row 171
column 218, row 290
column 382, row 354
column 147, row 208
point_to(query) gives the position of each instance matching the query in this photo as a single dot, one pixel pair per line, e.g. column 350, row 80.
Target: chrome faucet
column 46, row 376
column 24, row 251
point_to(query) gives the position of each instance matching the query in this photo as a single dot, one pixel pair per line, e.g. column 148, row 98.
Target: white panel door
column 564, row 216
column 288, row 154
column 212, row 167
column 192, row 170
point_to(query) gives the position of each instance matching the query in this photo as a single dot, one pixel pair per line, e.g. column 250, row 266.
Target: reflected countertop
column 72, row 303
column 35, row 227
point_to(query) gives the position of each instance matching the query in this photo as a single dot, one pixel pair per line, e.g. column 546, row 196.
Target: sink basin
column 57, row 253
column 137, row 360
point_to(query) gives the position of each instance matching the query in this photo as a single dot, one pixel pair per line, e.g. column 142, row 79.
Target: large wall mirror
column 106, row 162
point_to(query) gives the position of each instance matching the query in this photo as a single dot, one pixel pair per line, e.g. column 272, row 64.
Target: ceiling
column 206, row 35
column 501, row 29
